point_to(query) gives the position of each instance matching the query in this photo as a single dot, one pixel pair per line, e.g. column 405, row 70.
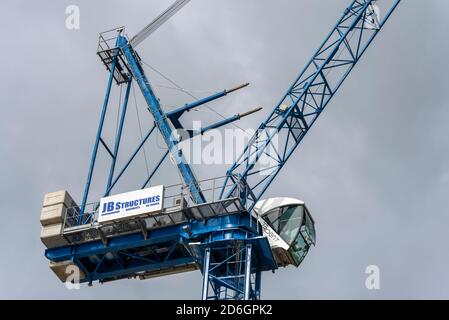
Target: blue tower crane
column 307, row 97
column 231, row 235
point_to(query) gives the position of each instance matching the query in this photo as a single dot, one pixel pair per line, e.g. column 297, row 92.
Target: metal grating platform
column 107, row 51
column 155, row 244
column 171, row 216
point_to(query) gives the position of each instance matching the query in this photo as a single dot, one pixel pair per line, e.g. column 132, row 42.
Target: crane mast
column 280, row 134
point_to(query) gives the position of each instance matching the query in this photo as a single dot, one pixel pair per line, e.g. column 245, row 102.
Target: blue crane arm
column 280, row 134
column 161, row 121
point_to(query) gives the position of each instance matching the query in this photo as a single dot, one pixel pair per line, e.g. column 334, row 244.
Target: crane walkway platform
column 107, row 51
column 170, row 216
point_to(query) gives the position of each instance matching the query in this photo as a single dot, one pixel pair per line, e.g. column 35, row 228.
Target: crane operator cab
column 289, row 227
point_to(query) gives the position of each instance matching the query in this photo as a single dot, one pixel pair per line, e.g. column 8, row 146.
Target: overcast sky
column 374, row 171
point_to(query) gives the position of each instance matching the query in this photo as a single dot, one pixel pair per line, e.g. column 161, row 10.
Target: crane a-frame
column 232, row 236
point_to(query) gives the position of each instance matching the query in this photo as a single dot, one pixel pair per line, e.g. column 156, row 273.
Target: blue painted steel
column 90, row 256
column 199, row 229
column 161, row 121
column 220, row 239
column 201, row 131
column 221, row 123
column 97, row 140
column 230, row 272
column 141, row 267
column 121, row 48
column 206, row 268
column 180, row 111
column 118, row 136
column 133, row 156
column 305, row 100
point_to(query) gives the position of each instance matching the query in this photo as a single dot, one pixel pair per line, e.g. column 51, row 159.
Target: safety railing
column 107, row 39
column 178, row 207
column 108, row 52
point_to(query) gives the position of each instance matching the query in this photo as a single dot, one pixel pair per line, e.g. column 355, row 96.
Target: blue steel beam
column 198, row 229
column 131, row 159
column 125, row 167
column 98, row 138
column 142, row 267
column 118, row 136
column 230, row 272
column 126, row 263
column 177, row 113
column 281, row 133
column 221, row 123
column 85, row 253
column 161, row 121
column 158, row 165
column 227, row 121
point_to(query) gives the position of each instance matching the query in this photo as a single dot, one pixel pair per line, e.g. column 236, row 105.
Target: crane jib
column 305, row 100
column 161, row 121
column 142, row 236
column 158, row 22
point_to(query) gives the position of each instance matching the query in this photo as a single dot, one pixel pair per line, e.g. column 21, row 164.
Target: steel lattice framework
column 278, row 137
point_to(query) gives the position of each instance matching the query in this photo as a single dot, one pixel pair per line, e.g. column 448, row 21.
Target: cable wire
column 141, row 132
column 191, row 95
